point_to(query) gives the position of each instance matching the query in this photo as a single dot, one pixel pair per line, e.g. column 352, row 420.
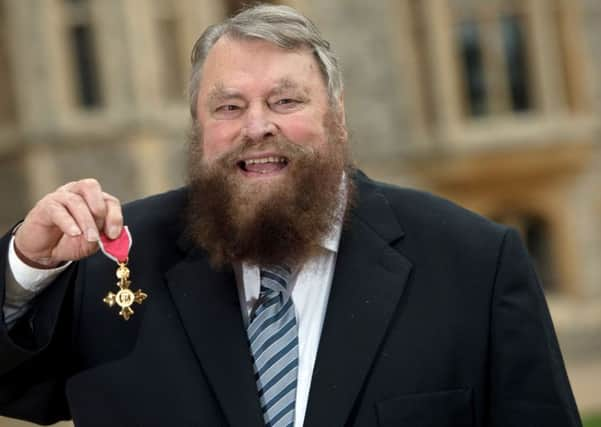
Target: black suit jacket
column 435, row 318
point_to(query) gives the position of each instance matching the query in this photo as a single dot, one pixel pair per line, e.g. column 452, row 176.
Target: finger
column 59, row 216
column 91, row 192
column 114, row 216
column 80, row 211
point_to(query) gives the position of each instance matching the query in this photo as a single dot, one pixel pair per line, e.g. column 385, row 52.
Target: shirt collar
column 248, row 276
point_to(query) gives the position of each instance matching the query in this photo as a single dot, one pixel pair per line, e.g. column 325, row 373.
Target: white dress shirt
column 23, row 283
column 310, row 286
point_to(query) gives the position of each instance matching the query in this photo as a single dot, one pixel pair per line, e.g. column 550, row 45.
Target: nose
column 259, row 124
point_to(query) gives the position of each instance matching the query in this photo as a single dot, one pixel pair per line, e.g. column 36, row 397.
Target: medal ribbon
column 117, row 249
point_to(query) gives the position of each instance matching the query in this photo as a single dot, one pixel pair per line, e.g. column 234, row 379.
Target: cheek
column 218, row 139
column 305, row 132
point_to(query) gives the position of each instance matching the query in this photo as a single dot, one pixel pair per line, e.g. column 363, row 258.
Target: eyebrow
column 287, row 83
column 220, row 92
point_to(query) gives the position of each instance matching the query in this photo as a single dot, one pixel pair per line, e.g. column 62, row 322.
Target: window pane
column 471, row 57
column 86, row 71
column 517, row 70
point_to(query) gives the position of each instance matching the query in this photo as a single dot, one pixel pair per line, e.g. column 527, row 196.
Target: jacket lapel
column 207, row 301
column 369, row 279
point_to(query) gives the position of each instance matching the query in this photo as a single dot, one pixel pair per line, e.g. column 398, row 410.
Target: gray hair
column 281, row 25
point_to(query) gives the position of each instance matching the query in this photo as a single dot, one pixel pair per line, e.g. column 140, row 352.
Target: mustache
column 279, row 145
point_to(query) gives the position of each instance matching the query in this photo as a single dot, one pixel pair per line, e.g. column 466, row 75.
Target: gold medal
column 125, row 297
column 118, row 250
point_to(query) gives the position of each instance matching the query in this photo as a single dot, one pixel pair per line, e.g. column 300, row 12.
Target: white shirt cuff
column 31, row 279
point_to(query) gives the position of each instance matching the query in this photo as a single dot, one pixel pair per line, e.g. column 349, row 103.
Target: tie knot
column 275, row 278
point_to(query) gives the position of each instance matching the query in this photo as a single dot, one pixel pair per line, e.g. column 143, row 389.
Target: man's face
column 267, row 159
column 253, row 92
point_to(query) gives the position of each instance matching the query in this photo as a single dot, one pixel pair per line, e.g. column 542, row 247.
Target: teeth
column 265, row 160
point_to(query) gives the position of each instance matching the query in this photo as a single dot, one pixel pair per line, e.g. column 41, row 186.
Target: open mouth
column 263, row 165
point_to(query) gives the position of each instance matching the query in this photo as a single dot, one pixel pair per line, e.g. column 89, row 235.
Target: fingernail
column 114, row 232
column 92, row 235
column 74, row 231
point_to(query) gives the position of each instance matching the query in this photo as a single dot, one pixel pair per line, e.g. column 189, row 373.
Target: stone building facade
column 495, row 104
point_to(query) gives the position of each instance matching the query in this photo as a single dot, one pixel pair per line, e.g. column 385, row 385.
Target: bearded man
column 283, row 286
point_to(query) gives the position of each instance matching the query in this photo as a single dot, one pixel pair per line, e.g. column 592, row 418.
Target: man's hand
column 65, row 224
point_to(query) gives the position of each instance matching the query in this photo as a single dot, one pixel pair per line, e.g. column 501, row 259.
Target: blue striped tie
column 273, row 338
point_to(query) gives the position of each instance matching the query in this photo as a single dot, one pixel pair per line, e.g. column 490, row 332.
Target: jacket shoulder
column 437, row 220
column 156, row 208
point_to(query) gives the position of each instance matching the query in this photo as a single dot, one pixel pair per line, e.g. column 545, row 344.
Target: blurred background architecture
column 495, row 104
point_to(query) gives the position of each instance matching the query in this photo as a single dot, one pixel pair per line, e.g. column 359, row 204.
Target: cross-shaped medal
column 118, row 250
column 125, row 297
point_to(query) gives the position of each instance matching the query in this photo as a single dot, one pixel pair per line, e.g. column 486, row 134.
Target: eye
column 227, row 111
column 286, row 101
column 228, row 107
column 287, row 104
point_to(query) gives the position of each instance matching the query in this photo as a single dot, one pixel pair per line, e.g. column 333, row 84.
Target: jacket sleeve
column 529, row 384
column 35, row 354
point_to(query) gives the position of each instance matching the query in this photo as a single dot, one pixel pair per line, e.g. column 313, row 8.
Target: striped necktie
column 273, row 337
